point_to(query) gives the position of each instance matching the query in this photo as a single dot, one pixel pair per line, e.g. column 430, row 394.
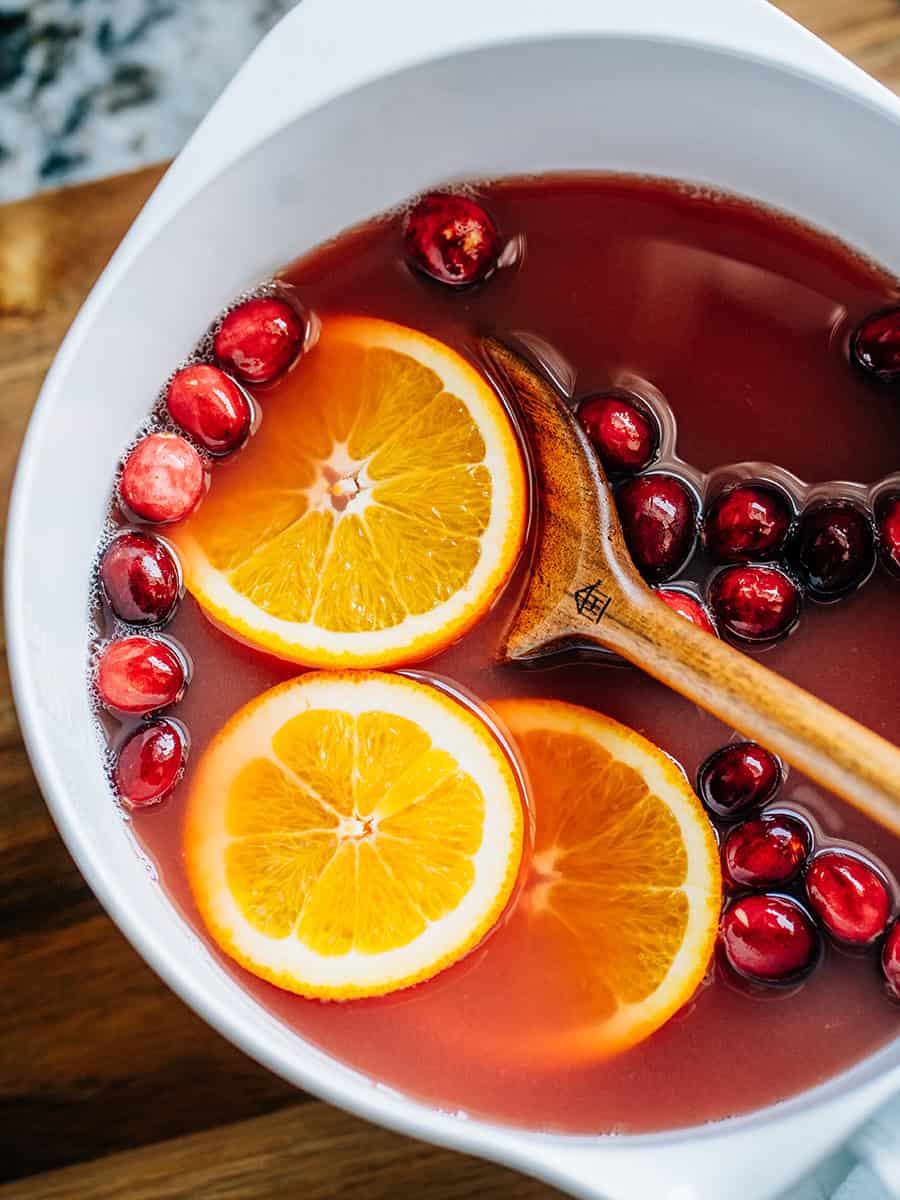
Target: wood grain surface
column 109, row 1086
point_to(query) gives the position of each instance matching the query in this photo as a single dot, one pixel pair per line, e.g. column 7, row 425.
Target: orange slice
column 374, row 516
column 623, row 894
column 349, row 834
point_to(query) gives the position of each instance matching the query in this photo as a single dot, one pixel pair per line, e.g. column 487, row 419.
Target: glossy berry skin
column 768, row 939
column 687, row 606
column 738, row 777
column 451, row 238
column 149, row 764
column 140, row 578
column 766, row 851
column 163, row 479
column 889, row 532
column 258, row 340
column 755, row 603
column 747, row 522
column 210, row 407
column 659, row 523
column 834, row 549
column 890, row 960
column 138, row 675
column 848, row 896
column 875, row 346
column 624, row 437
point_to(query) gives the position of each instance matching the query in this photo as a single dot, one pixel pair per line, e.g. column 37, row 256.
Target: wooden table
column 109, row 1085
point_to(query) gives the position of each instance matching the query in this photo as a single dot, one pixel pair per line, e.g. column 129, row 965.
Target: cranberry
column 260, row 339
column 150, row 763
column 210, row 407
column 768, row 939
column 451, row 238
column 163, row 478
column 889, row 532
column 875, row 346
column 139, row 674
column 140, row 578
column 687, row 606
column 659, row 523
column 768, row 850
column 890, row 960
column 737, row 777
column 754, row 603
column 848, row 896
column 747, row 521
column 624, row 437
column 834, row 549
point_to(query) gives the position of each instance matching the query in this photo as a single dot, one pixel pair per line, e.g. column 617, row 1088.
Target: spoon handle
column 830, row 747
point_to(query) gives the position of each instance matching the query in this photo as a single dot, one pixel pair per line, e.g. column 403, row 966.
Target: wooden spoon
column 585, row 590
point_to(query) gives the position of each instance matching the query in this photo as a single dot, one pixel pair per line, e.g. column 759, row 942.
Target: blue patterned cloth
column 867, row 1169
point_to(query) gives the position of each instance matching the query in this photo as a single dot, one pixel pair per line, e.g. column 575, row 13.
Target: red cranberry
column 659, row 523
column 687, row 606
column 834, row 549
column 140, row 578
column 747, row 521
column 890, row 960
column 139, row 674
column 889, row 532
column 451, row 238
column 624, row 437
column 737, row 777
column 848, row 896
column 875, row 346
column 768, row 939
column 259, row 339
column 163, row 478
column 150, row 763
column 754, row 603
column 765, row 851
column 210, row 407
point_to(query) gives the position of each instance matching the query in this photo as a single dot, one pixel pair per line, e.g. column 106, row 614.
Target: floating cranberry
column 875, row 346
column 210, row 407
column 738, row 777
column 659, row 523
column 139, row 675
column 163, row 478
column 754, row 603
column 889, row 532
column 150, row 763
column 687, row 606
column 768, row 939
column 747, row 521
column 260, row 339
column 625, row 437
column 834, row 549
column 848, row 896
column 451, row 238
column 890, row 960
column 140, row 578
column 767, row 850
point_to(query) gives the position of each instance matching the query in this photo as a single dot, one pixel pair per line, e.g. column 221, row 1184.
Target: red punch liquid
column 736, row 321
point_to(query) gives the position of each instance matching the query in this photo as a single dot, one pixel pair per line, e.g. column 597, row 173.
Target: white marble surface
column 92, row 87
